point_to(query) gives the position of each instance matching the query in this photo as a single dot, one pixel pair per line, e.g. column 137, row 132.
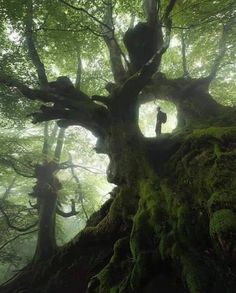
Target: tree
column 170, row 222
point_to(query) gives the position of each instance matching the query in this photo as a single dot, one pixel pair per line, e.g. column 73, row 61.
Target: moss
column 217, row 132
column 145, row 266
column 223, row 221
column 185, row 224
column 222, row 199
column 166, row 244
column 196, row 274
column 142, row 234
column 117, row 269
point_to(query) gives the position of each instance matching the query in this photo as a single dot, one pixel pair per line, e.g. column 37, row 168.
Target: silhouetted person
column 161, row 118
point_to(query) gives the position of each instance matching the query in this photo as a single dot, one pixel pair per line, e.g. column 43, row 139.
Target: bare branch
column 32, row 49
column 79, row 72
column 82, row 29
column 73, row 211
column 34, row 206
column 86, row 12
column 66, row 165
column 184, row 60
column 221, row 53
column 10, row 225
column 79, row 189
column 17, row 236
column 12, row 162
column 8, row 189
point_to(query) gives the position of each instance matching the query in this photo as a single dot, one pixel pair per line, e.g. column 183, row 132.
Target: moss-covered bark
column 171, row 228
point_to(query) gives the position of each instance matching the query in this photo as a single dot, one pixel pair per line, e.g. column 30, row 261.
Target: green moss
column 145, row 266
column 117, row 269
column 222, row 199
column 196, row 274
column 185, row 224
column 166, row 244
column 223, row 221
column 217, row 132
column 142, row 234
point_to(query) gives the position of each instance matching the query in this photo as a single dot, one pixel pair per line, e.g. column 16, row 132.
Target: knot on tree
column 47, row 183
column 65, row 94
column 142, row 42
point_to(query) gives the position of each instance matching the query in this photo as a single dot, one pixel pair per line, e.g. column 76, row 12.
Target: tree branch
column 17, row 236
column 79, row 190
column 86, row 12
column 167, row 22
column 184, row 60
column 45, row 150
column 66, row 165
column 73, row 211
column 32, row 49
column 59, row 145
column 10, row 225
column 168, row 10
column 85, row 117
column 151, row 7
column 8, row 189
column 10, row 161
column 117, row 67
column 221, row 53
column 78, row 73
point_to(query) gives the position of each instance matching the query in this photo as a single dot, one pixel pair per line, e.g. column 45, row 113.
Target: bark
column 46, row 192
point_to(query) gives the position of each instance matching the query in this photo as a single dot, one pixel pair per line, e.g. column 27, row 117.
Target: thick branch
column 221, row 53
column 113, row 47
column 69, row 104
column 167, row 23
column 184, row 60
column 32, row 94
column 32, row 49
column 90, row 120
column 168, row 10
column 138, row 81
column 150, row 7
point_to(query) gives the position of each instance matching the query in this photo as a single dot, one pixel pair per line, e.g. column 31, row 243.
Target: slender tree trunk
column 46, row 243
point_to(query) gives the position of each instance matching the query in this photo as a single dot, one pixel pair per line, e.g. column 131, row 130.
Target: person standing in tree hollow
column 161, row 118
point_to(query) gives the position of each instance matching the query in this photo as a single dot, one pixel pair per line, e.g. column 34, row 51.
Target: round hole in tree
column 148, row 115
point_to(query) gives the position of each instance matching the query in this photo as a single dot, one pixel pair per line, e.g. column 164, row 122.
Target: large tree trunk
column 170, row 225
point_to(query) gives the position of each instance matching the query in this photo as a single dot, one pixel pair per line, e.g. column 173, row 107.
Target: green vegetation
column 79, row 85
